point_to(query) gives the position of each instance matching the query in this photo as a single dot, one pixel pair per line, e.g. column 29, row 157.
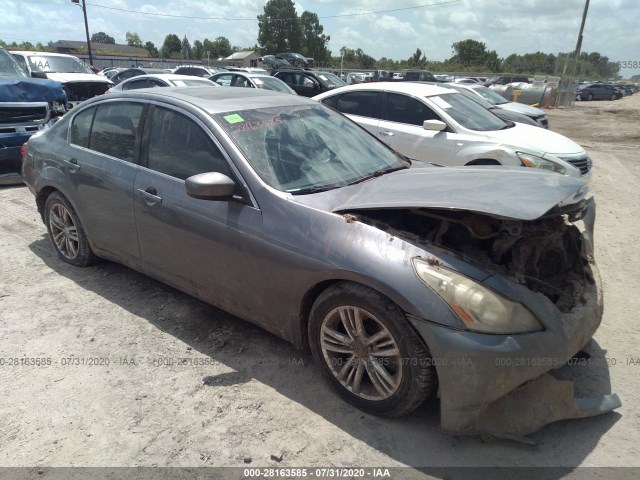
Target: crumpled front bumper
column 500, row 384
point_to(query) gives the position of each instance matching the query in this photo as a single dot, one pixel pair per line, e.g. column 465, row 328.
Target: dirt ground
column 129, row 372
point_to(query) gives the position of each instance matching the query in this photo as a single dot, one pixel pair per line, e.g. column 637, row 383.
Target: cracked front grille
column 78, row 92
column 20, row 114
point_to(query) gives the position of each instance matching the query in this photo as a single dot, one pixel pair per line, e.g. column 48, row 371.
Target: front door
column 401, row 123
column 203, row 247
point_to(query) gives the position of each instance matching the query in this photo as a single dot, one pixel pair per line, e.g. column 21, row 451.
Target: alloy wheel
column 361, row 353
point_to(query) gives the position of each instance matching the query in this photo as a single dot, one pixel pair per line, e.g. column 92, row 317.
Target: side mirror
column 38, row 74
column 210, row 186
column 436, row 125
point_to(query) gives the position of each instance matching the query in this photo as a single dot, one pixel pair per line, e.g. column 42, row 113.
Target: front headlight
column 533, row 161
column 479, row 308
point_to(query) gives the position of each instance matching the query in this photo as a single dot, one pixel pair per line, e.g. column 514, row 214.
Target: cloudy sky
column 381, row 28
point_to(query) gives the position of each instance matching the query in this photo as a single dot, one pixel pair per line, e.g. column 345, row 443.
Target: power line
column 254, row 18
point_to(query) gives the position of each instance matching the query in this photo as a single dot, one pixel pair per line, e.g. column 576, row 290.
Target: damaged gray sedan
column 405, row 280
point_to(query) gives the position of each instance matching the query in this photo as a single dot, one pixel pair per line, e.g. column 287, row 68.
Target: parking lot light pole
column 86, row 27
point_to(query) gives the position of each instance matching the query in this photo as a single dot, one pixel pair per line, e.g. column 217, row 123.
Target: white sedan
column 162, row 80
column 440, row 125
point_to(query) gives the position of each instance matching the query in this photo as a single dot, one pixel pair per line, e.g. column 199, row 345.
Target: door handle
column 72, row 163
column 150, row 195
column 386, row 133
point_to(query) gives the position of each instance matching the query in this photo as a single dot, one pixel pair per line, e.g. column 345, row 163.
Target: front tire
column 66, row 232
column 368, row 352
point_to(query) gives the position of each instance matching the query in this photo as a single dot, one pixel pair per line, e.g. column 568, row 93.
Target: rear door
column 363, row 107
column 104, row 144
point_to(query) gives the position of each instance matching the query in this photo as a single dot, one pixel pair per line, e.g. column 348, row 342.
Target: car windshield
column 9, row 67
column 52, row 64
column 272, row 83
column 330, row 80
column 490, row 96
column 468, row 113
column 305, row 149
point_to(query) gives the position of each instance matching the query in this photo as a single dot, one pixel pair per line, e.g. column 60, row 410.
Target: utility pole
column 86, row 27
column 584, row 18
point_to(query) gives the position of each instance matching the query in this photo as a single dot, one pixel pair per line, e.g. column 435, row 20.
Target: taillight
column 24, row 149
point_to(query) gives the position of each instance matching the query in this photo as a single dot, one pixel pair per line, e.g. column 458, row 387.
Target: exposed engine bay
column 544, row 254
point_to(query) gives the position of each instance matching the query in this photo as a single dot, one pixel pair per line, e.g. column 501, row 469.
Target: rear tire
column 66, row 232
column 368, row 352
column 614, row 97
column 590, row 97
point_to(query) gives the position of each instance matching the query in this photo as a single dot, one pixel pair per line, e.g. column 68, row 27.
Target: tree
column 171, row 45
column 133, row 39
column 102, row 37
column 417, row 60
column 356, row 58
column 196, row 50
column 279, row 28
column 151, row 48
column 314, row 41
column 185, row 48
column 222, row 47
column 473, row 55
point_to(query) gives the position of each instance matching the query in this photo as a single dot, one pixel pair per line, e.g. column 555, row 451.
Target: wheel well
column 484, row 161
column 305, row 309
column 41, row 199
column 311, row 296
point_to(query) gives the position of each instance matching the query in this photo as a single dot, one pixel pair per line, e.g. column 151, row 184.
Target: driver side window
column 179, row 147
column 405, row 109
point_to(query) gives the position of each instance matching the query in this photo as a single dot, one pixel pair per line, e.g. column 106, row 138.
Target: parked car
column 471, row 80
column 197, row 70
column 598, row 91
column 538, row 116
column 78, row 80
column 308, row 82
column 162, row 80
column 402, row 278
column 251, row 80
column 295, row 59
column 438, row 124
column 271, row 63
column 111, row 72
column 134, row 72
column 506, row 80
column 27, row 105
column 507, row 115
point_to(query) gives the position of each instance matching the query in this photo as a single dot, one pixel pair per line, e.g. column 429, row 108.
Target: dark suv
column 295, row 59
column 308, row 83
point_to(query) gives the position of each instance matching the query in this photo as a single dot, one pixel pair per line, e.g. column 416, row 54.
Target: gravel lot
column 138, row 374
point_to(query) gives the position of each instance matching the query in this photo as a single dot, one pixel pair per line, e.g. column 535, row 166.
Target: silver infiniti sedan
column 403, row 279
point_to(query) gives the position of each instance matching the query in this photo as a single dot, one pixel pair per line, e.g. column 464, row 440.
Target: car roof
column 214, row 100
column 417, row 89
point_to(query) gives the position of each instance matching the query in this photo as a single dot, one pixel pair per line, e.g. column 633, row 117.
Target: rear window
column 81, row 127
column 115, row 128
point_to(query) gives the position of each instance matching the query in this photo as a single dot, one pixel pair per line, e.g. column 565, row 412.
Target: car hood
column 30, row 90
column 523, row 108
column 78, row 77
column 535, row 139
column 502, row 192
